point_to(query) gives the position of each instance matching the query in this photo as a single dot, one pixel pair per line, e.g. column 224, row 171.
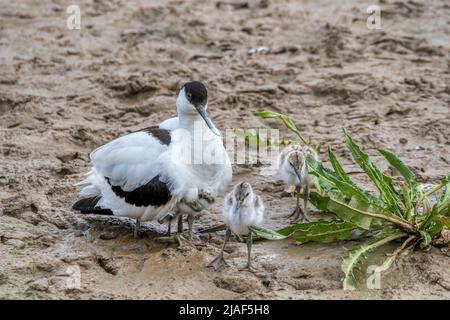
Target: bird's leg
column 219, row 261
column 249, row 249
column 169, row 226
column 190, row 220
column 180, row 223
column 297, row 211
column 303, row 217
column 305, row 203
column 249, row 252
column 136, row 228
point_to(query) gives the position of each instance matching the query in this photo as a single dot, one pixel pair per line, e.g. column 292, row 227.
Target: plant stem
column 434, row 189
column 300, row 136
column 426, row 194
column 388, row 262
column 410, row 238
column 400, row 222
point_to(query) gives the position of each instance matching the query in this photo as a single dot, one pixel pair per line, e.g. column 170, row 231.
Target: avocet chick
column 242, row 208
column 293, row 170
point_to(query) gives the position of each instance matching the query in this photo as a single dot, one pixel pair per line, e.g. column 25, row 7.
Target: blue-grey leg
column 297, row 211
column 305, row 203
column 180, row 223
column 219, row 261
column 190, row 220
column 169, row 227
column 249, row 250
column 136, row 228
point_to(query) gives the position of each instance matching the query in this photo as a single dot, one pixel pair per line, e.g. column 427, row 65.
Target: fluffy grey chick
column 293, row 170
column 242, row 208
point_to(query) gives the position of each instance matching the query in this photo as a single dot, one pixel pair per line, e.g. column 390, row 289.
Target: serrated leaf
column 356, row 256
column 356, row 211
column 381, row 181
column 267, row 234
column 398, row 164
column 321, row 231
column 426, row 239
column 338, row 168
column 329, row 177
column 404, row 170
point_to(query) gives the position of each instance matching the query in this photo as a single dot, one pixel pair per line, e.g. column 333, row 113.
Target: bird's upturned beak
column 202, row 112
column 296, row 173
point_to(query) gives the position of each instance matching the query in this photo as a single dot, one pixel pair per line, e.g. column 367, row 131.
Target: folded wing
column 131, row 161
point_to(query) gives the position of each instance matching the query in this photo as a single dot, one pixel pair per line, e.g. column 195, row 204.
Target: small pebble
column 259, row 50
column 419, row 148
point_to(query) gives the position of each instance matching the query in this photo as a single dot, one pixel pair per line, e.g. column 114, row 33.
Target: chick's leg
column 297, row 211
column 219, row 261
column 302, row 212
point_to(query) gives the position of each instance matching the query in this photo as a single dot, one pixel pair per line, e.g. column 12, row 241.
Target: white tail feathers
column 91, row 186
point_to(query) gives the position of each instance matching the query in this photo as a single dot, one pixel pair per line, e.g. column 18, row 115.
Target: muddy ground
column 64, row 92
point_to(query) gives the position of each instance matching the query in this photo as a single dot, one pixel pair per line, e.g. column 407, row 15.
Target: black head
column 196, row 93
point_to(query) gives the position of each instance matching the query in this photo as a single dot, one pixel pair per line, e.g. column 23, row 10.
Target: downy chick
column 242, row 208
column 293, row 170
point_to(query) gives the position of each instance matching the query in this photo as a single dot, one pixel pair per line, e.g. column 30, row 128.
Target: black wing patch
column 154, row 193
column 162, row 135
column 89, row 205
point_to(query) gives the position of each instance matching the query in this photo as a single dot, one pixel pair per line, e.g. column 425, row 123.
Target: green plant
column 397, row 211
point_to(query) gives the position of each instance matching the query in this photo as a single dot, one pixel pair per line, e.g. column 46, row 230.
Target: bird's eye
column 189, row 95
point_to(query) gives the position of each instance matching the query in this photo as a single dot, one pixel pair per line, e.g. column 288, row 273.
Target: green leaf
column 445, row 209
column 409, row 206
column 381, row 181
column 356, row 256
column 287, row 121
column 435, row 222
column 405, row 171
column 398, row 164
column 430, row 217
column 319, row 201
column 255, row 139
column 444, row 201
column 426, row 239
column 329, row 178
column 267, row 234
column 321, row 231
column 338, row 168
column 445, row 221
column 356, row 211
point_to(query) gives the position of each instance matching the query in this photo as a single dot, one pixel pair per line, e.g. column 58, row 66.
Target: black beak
column 202, row 112
column 296, row 172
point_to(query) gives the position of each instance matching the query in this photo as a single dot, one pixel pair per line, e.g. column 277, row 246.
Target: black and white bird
column 242, row 209
column 293, row 170
column 145, row 174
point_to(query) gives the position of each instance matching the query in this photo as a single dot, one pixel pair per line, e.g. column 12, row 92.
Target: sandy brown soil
column 64, row 92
